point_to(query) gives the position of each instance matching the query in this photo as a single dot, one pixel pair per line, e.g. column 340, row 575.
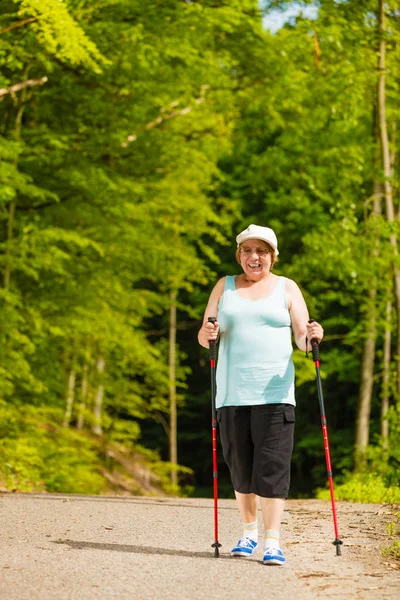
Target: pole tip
column 338, row 543
column 216, row 546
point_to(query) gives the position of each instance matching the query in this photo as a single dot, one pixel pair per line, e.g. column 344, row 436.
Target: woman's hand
column 212, row 330
column 314, row 330
column 209, row 331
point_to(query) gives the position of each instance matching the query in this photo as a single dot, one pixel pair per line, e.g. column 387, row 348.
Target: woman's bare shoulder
column 290, row 284
column 218, row 288
column 294, row 295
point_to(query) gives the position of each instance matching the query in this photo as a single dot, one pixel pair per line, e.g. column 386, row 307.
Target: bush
column 364, row 487
column 393, row 530
column 37, row 454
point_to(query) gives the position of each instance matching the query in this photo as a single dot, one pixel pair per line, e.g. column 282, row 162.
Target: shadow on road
column 76, row 545
column 167, row 501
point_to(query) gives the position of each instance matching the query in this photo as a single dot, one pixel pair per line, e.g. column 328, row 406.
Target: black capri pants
column 257, row 445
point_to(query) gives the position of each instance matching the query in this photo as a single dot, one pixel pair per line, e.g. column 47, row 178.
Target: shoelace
column 246, row 543
column 271, row 551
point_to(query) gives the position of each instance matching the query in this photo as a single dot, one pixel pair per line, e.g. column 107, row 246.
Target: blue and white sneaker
column 273, row 556
column 245, row 547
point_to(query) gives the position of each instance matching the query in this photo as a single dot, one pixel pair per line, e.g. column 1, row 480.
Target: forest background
column 137, row 139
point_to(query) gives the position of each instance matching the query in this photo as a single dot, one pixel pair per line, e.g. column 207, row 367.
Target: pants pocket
column 289, row 414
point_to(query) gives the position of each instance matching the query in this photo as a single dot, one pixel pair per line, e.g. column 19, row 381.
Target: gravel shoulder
column 55, row 546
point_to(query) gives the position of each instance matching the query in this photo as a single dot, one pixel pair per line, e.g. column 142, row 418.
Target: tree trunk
column 397, row 282
column 98, row 400
column 387, row 173
column 366, row 385
column 10, row 229
column 84, row 391
column 368, row 357
column 173, row 444
column 70, row 397
column 12, row 204
column 386, row 377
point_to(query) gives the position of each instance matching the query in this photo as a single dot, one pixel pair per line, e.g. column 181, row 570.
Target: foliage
column 378, row 481
column 393, row 530
column 136, row 139
column 38, row 455
column 58, row 32
column 365, row 487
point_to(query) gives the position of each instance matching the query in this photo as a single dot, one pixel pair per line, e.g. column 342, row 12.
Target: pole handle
column 212, row 343
column 314, row 345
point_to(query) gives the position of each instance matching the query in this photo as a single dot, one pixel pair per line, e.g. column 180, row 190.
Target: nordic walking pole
column 315, row 354
column 213, row 358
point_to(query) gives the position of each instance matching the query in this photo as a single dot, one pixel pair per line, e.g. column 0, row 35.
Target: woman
column 257, row 311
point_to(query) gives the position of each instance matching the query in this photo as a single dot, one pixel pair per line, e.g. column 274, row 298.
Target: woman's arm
column 299, row 316
column 210, row 331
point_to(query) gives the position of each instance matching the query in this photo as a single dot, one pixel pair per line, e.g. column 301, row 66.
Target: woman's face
column 255, row 259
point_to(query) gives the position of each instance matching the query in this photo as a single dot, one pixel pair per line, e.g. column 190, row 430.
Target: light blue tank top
column 255, row 349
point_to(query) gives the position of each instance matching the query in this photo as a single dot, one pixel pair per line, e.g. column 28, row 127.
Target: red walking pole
column 315, row 353
column 213, row 359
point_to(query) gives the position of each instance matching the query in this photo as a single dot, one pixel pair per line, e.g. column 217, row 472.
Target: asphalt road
column 84, row 547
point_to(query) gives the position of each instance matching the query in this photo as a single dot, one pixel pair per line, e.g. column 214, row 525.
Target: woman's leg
column 238, row 450
column 272, row 432
column 248, row 505
column 272, row 511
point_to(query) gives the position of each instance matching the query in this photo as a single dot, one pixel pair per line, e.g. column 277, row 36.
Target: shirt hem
column 285, row 401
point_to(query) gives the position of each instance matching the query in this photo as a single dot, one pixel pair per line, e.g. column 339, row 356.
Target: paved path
column 92, row 548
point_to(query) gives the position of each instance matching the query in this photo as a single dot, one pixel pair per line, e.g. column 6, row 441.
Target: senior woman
column 257, row 311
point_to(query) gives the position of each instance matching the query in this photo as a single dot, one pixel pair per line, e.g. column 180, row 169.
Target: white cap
column 256, row 232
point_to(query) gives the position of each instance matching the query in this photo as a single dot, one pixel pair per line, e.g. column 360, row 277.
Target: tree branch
column 17, row 24
column 22, row 85
column 167, row 115
column 182, row 326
